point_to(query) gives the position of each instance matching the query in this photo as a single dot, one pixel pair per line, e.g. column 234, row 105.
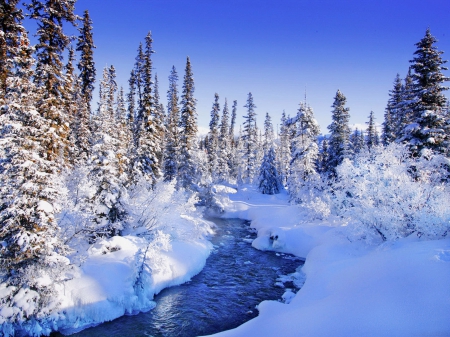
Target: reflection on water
column 223, row 296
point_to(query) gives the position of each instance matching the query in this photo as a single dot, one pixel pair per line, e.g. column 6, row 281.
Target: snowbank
column 105, row 286
column 398, row 288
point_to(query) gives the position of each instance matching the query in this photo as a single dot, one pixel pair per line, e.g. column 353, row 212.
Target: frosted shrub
column 393, row 194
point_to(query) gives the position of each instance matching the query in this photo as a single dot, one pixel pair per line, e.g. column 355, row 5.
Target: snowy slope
column 397, row 288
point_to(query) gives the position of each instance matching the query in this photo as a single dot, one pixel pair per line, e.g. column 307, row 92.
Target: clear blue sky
column 275, row 49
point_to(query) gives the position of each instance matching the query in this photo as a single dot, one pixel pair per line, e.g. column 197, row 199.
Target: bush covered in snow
column 393, row 194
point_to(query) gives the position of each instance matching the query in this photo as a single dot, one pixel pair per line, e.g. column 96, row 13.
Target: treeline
column 54, row 144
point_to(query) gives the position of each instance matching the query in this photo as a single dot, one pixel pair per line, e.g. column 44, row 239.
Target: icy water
column 223, row 296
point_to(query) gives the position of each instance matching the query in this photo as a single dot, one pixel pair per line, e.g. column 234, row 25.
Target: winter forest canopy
column 73, row 173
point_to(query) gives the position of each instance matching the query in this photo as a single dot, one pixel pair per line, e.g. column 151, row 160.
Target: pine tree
column 357, row 141
column 50, row 15
column 131, row 101
column 188, row 126
column 393, row 113
column 429, row 109
column 172, row 140
column 159, row 123
column 224, row 147
column 406, row 105
column 149, row 129
column 233, row 122
column 269, row 138
column 11, row 28
column 283, row 150
column 249, row 139
column 268, row 175
column 85, row 46
column 339, row 132
column 213, row 135
column 305, row 152
column 30, row 192
column 371, row 137
column 106, row 175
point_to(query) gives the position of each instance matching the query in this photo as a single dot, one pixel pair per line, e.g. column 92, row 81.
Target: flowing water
column 223, row 296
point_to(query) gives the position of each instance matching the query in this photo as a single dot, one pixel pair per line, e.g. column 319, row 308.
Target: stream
column 224, row 295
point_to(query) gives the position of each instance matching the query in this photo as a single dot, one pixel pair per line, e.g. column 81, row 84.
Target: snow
column 398, row 288
column 103, row 288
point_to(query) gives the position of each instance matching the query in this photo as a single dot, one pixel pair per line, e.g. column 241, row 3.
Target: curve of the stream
column 224, row 295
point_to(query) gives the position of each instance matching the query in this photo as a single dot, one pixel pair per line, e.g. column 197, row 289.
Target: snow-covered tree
column 213, row 135
column 188, row 125
column 269, row 181
column 172, row 140
column 371, row 132
column 393, row 113
column 250, row 141
column 85, row 45
column 148, row 128
column 269, row 138
column 233, row 122
column 305, row 152
column 339, row 132
column 52, row 42
column 30, row 193
column 357, row 141
column 427, row 128
column 107, row 176
column 224, row 146
column 283, row 150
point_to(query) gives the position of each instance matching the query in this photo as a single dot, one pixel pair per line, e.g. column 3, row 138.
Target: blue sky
column 275, row 49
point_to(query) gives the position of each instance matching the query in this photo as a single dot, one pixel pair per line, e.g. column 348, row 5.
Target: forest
column 74, row 174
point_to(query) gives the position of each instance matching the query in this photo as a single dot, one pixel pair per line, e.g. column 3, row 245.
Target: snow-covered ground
column 352, row 288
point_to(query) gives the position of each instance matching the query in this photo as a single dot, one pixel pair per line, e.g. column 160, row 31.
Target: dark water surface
column 235, row 279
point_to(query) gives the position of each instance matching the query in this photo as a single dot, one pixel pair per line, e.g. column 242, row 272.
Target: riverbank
column 352, row 288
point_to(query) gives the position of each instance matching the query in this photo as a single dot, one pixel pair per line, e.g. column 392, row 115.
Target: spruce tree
column 429, row 108
column 233, row 122
column 393, row 113
column 268, row 175
column 224, row 147
column 269, row 138
column 250, row 140
column 52, row 42
column 188, row 125
column 172, row 136
column 283, row 150
column 148, row 128
column 32, row 248
column 10, row 31
column 339, row 132
column 371, row 132
column 305, row 152
column 213, row 135
column 86, row 66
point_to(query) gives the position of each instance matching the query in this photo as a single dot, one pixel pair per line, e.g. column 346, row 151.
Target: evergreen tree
column 357, row 141
column 283, row 150
column 172, row 140
column 70, row 108
column 393, row 113
column 213, row 135
column 106, row 175
column 149, row 129
column 224, row 147
column 269, row 138
column 233, row 122
column 50, row 16
column 371, row 137
column 86, row 66
column 305, row 152
column 131, row 101
column 11, row 29
column 339, row 132
column 429, row 108
column 30, row 192
column 159, row 121
column 405, row 107
column 268, row 175
column 188, row 124
column 249, row 139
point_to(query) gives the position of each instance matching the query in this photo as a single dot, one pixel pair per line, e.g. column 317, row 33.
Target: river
column 223, row 296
